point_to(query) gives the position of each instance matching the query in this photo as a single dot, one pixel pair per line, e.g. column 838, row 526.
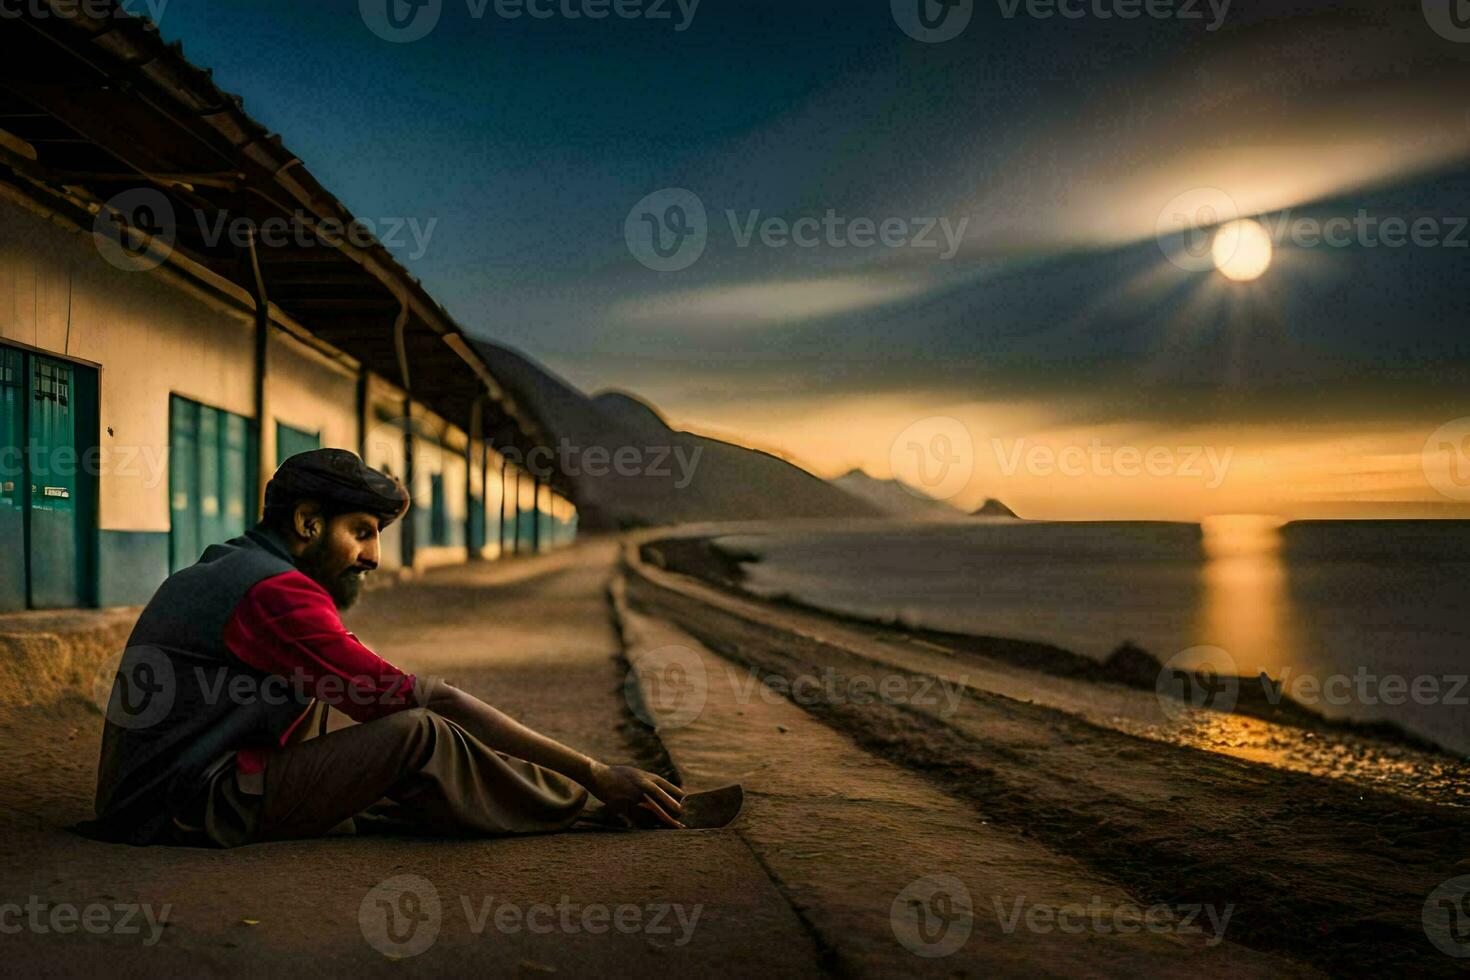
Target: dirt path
column 1078, row 850
column 533, row 637
column 1314, row 869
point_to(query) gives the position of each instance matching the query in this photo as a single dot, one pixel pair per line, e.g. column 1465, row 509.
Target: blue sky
column 1054, row 143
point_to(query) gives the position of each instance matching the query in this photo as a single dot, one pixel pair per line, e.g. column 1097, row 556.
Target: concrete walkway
column 895, row 876
column 532, row 636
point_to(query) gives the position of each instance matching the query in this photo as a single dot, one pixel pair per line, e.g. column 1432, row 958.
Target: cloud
column 765, row 304
column 1270, row 115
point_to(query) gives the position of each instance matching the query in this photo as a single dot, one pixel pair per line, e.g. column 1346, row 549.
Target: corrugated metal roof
column 105, row 106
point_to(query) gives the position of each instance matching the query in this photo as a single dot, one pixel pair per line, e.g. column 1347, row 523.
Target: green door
column 291, row 440
column 237, row 475
column 59, row 419
column 210, row 460
column 48, row 432
column 211, row 478
column 183, row 483
column 476, row 542
column 12, row 481
column 438, row 511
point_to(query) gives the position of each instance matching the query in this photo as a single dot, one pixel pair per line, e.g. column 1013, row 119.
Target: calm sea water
column 1361, row 619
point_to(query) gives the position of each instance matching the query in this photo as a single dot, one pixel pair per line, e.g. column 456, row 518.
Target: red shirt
column 288, row 626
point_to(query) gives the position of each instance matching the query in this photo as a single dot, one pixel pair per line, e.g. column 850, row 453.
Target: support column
column 535, row 516
column 263, row 469
column 485, row 496
column 516, row 530
column 500, row 513
column 472, row 549
column 407, row 535
column 362, row 411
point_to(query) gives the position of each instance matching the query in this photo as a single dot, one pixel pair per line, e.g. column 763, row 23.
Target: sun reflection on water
column 1245, row 608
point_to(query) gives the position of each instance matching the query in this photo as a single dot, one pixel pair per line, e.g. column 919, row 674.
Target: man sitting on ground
column 229, row 671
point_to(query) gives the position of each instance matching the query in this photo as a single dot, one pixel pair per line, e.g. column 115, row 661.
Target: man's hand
column 623, row 788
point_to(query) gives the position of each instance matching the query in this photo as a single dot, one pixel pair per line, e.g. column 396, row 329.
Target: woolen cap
column 338, row 477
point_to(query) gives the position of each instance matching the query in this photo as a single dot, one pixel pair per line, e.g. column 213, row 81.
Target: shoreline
column 1128, row 665
column 1387, row 745
column 1326, row 870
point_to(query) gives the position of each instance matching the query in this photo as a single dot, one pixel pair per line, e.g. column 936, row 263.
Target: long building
column 153, row 374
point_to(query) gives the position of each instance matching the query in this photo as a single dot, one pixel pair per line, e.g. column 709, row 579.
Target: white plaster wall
column 150, row 338
column 383, row 449
column 307, row 390
column 494, row 500
column 153, row 334
column 438, row 448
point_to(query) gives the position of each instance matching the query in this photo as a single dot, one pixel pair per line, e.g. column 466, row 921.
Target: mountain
column 896, row 499
column 629, row 468
column 629, row 411
column 993, row 508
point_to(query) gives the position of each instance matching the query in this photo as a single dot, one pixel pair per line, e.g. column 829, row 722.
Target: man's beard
column 343, row 586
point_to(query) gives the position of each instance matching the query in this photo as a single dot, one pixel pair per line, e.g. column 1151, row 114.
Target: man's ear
column 307, row 520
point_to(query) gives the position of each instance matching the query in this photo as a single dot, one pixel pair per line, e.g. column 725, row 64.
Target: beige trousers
column 414, row 771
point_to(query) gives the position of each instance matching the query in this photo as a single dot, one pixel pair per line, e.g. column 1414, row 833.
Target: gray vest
column 181, row 703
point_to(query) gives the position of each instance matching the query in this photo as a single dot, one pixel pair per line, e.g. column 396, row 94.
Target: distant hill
column 993, row 508
column 629, row 468
column 629, row 411
column 896, row 499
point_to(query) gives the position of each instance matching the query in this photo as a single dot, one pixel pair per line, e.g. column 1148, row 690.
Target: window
column 211, row 478
column 291, row 440
column 52, row 382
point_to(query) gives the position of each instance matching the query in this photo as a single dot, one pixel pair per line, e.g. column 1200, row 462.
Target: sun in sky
column 1242, row 250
